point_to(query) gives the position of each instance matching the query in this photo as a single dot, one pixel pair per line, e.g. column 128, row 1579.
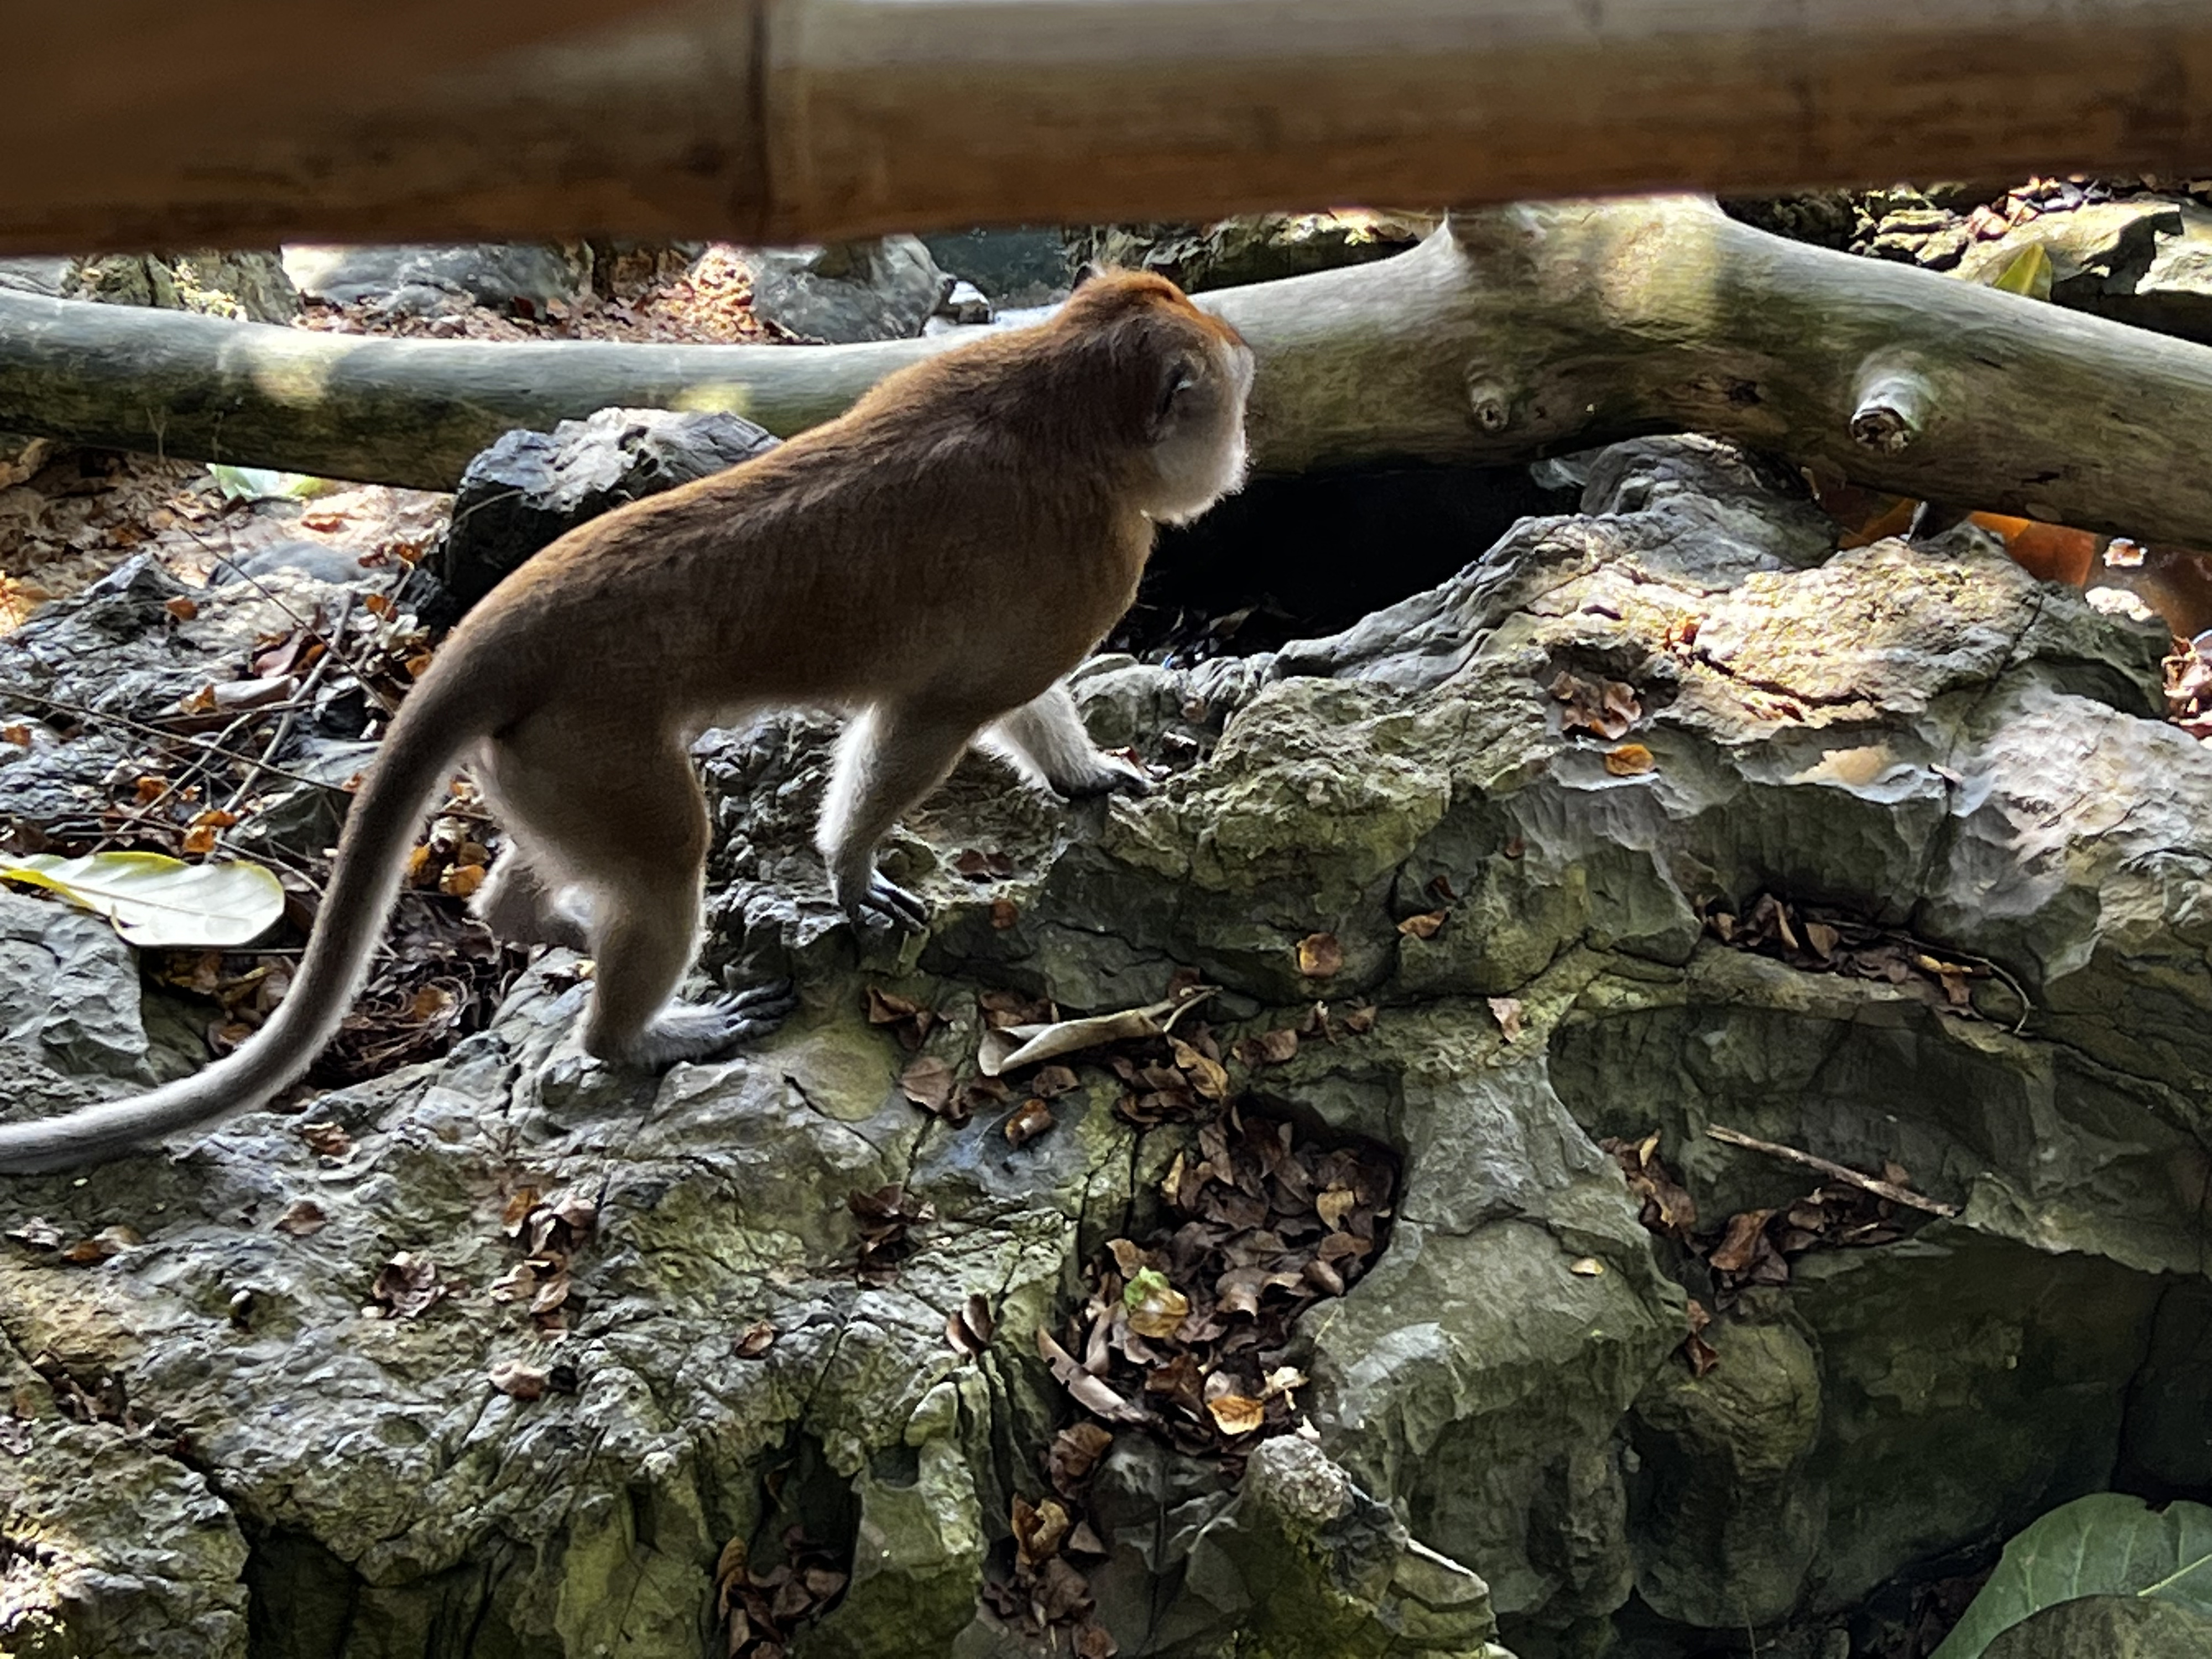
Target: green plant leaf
column 157, row 900
column 2106, row 1544
column 2028, row 275
column 261, row 483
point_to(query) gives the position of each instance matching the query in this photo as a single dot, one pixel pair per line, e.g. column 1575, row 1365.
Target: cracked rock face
column 1509, row 1449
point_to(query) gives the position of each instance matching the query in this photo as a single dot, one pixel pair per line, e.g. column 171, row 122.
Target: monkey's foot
column 699, row 1030
column 887, row 899
column 1112, row 776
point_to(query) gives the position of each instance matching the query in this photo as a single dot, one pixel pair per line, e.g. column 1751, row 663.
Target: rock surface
column 501, row 275
column 1511, row 1449
column 884, row 289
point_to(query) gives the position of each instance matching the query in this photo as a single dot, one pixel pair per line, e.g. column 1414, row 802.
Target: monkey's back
column 932, row 542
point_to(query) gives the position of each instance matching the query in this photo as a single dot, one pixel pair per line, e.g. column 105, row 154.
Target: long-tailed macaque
column 935, row 560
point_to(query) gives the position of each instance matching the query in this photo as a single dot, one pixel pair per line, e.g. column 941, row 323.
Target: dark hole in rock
column 796, row 1563
column 304, row 1601
column 1300, row 557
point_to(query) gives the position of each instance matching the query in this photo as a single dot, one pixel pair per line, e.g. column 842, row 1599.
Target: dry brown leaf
column 1208, row 1076
column 518, row 1381
column 756, row 1339
column 1320, row 956
column 108, row 1241
column 1237, row 1413
column 326, row 1139
column 1031, row 1120
column 1075, row 1451
column 302, row 1217
column 1333, row 1204
column 928, row 1084
column 1507, row 1011
column 1630, row 760
column 1422, row 927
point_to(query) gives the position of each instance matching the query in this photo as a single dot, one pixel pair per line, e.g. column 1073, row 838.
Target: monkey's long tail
column 433, row 727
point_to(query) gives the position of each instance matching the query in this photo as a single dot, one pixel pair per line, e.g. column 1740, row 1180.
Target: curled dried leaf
column 1320, row 956
column 519, row 1381
column 1031, row 1120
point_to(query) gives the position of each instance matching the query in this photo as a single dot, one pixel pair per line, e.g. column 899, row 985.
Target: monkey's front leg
column 889, row 757
column 1045, row 737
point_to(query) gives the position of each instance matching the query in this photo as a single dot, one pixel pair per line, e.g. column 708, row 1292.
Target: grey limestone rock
column 1504, row 1424
column 884, row 289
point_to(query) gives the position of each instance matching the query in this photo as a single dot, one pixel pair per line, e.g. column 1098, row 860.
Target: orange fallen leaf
column 1320, row 956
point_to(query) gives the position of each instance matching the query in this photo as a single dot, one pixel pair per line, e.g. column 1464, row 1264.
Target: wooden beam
column 134, row 123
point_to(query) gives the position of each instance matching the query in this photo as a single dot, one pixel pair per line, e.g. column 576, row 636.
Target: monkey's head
column 1179, row 380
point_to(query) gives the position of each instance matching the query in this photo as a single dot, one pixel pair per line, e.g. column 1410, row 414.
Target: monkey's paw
column 886, row 899
column 1111, row 776
column 699, row 1030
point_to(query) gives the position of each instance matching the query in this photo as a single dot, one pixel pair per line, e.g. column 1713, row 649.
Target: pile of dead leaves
column 551, row 1228
column 1824, row 940
column 761, row 1608
column 1605, row 708
column 1756, row 1247
column 1186, row 1338
column 886, row 1217
column 1044, row 1594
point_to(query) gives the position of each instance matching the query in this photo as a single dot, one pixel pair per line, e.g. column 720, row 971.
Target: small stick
column 101, row 716
column 1880, row 1188
column 257, row 764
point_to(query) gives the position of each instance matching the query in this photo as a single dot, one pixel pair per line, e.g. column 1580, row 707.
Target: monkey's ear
column 1179, row 375
column 1089, row 271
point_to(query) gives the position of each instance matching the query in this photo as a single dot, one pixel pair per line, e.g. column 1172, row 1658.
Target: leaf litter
column 1756, row 1247
column 1825, row 939
column 1183, row 1335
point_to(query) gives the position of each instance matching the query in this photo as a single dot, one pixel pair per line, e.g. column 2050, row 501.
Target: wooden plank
column 784, row 119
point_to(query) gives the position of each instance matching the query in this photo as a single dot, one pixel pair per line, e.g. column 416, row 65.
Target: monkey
column 934, row 561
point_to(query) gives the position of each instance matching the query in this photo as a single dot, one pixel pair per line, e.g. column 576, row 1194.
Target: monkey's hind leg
column 1045, row 739
column 521, row 904
column 629, row 828
column 889, row 757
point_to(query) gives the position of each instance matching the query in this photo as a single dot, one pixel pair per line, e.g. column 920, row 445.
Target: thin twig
column 96, row 716
column 277, row 739
column 328, row 641
column 1880, row 1188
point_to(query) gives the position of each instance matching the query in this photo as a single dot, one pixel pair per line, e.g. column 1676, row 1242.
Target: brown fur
column 936, row 559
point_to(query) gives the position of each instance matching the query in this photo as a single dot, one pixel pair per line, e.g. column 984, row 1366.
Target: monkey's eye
column 1180, row 379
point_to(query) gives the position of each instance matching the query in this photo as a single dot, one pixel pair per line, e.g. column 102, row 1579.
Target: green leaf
column 158, row 901
column 2028, row 275
column 2106, row 1544
column 261, row 483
